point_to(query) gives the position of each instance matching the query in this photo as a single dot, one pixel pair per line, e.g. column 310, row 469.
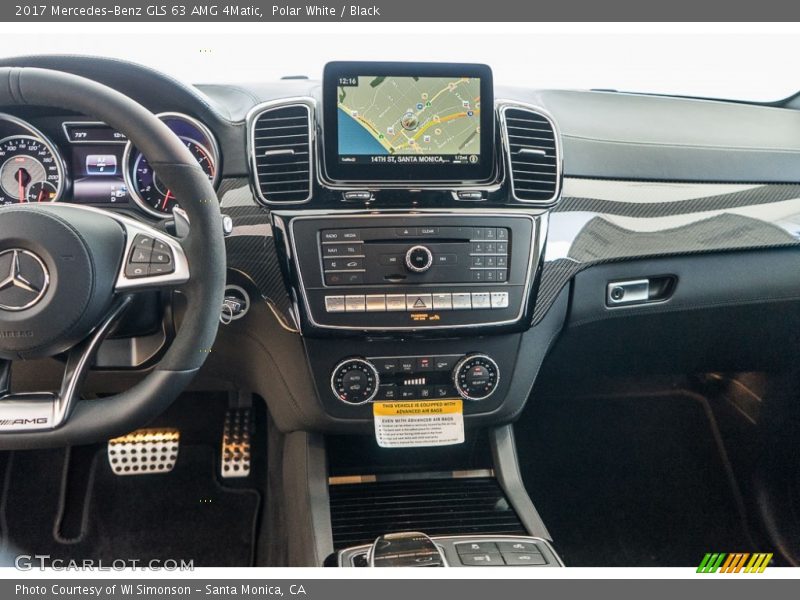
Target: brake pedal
column 235, row 455
column 144, row 451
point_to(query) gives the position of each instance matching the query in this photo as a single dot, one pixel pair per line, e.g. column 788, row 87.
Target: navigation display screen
column 400, row 122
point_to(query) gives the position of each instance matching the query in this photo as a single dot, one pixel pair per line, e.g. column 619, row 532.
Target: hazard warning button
column 415, row 302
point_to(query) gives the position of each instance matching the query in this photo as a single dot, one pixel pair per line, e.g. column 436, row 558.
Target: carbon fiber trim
column 250, row 247
column 600, row 221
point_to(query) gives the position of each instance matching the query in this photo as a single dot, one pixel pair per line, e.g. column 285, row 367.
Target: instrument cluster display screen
column 408, row 122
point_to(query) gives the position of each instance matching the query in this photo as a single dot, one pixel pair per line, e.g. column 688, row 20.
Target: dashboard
column 416, row 231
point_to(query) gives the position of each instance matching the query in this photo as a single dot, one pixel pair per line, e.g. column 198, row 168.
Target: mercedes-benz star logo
column 23, row 279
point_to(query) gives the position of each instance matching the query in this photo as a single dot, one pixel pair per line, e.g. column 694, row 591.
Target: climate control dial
column 476, row 376
column 355, row 381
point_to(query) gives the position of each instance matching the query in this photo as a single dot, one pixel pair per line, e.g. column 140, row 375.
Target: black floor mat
column 69, row 504
column 630, row 481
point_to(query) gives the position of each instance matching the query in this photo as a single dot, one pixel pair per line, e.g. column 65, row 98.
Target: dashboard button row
column 416, row 302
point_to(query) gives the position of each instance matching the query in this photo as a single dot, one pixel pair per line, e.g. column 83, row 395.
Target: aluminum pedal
column 235, row 455
column 144, row 452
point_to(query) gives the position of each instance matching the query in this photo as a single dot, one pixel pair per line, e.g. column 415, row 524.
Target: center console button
column 355, row 303
column 525, row 547
column 442, row 301
column 406, row 231
column 462, row 301
column 386, row 365
column 481, row 300
column 406, row 364
column 376, row 303
column 488, row 559
column 444, row 363
column 424, row 363
column 499, row 299
column 391, row 260
column 442, row 391
column 396, row 302
column 533, row 558
column 418, row 302
column 334, row 304
column 475, row 547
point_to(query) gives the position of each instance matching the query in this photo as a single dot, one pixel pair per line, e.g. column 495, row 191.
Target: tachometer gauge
column 145, row 187
column 29, row 171
column 152, row 191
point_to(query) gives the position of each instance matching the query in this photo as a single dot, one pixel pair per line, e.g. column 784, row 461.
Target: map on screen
column 409, row 116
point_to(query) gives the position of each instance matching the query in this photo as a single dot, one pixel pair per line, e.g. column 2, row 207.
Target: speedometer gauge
column 146, row 188
column 152, row 190
column 29, row 171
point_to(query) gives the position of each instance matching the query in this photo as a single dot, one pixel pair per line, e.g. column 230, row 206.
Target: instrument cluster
column 88, row 162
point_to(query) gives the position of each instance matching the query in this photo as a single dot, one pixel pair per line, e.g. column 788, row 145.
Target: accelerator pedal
column 144, row 452
column 235, row 455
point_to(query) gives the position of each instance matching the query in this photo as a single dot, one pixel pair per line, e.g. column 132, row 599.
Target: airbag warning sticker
column 418, row 424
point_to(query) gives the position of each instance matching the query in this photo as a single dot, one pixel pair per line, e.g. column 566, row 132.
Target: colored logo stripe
column 735, row 562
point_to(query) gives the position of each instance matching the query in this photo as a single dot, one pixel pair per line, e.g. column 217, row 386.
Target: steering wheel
column 68, row 273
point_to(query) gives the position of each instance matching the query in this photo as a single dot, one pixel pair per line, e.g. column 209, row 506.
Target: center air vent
column 281, row 146
column 533, row 155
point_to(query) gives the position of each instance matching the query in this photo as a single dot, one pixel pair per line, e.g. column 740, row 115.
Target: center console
column 409, row 210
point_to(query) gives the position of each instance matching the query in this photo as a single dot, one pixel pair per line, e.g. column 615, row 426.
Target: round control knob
column 355, row 381
column 476, row 377
column 419, row 259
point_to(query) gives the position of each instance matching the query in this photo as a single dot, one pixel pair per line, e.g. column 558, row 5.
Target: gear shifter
column 406, row 549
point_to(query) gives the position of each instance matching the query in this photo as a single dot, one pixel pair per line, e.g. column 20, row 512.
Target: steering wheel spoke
column 33, row 411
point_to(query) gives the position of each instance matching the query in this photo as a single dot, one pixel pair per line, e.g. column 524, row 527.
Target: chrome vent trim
column 532, row 145
column 281, row 148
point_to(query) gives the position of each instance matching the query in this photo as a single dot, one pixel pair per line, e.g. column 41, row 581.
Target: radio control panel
column 415, row 271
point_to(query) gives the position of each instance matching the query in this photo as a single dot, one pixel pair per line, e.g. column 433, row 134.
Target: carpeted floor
column 630, row 480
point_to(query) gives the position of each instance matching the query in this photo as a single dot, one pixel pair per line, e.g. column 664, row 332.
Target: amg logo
column 36, row 421
column 19, row 333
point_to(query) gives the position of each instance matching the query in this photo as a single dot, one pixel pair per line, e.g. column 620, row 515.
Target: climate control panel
column 357, row 380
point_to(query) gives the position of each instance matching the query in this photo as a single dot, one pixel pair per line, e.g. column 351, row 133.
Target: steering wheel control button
column 149, row 257
column 419, row 259
column 355, row 381
column 141, row 255
column 476, row 377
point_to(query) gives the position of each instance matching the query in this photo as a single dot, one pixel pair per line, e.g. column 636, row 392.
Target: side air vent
column 532, row 148
column 281, row 147
column 361, row 512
